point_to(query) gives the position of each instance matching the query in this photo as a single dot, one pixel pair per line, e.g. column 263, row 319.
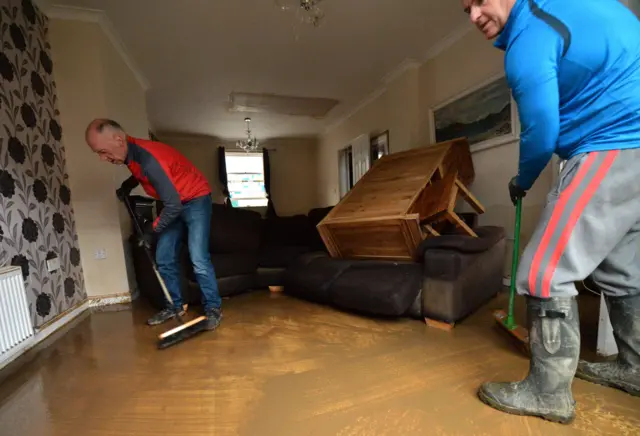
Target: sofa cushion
column 488, row 236
column 274, row 256
column 287, row 231
column 227, row 286
column 227, row 265
column 454, row 254
column 457, row 284
column 378, row 287
column 234, row 230
column 312, row 275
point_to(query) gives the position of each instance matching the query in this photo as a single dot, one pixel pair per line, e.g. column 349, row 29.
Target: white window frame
column 258, row 201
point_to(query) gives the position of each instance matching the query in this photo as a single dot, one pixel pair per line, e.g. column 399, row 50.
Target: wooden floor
column 280, row 366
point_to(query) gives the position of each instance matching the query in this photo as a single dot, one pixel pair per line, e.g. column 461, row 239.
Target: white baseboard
column 47, row 331
column 109, row 300
column 17, row 351
column 42, row 334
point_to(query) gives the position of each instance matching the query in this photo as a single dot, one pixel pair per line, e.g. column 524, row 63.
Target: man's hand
column 122, row 193
column 515, row 191
column 126, row 188
column 148, row 237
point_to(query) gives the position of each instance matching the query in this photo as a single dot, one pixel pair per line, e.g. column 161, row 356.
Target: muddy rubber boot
column 554, row 339
column 624, row 372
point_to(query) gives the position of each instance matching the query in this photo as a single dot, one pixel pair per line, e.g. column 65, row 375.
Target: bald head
column 107, row 139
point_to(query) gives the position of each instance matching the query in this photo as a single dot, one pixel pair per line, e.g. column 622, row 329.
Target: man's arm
column 532, row 72
column 129, row 185
column 172, row 205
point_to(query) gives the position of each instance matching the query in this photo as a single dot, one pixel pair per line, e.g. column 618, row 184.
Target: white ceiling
column 195, row 52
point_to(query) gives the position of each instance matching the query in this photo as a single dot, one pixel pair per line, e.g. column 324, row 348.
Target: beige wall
column 92, row 82
column 126, row 103
column 404, row 109
column 293, row 168
column 396, row 109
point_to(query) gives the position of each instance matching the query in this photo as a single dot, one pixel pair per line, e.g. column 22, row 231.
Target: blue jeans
column 196, row 215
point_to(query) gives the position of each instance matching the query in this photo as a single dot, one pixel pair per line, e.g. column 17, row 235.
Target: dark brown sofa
column 453, row 274
column 247, row 251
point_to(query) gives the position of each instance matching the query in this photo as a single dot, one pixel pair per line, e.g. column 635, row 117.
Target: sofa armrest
column 462, row 274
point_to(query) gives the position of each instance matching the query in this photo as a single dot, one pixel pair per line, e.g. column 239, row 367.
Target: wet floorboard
column 281, row 366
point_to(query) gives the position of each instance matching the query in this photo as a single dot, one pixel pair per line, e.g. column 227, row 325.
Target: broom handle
column 151, row 259
column 514, row 264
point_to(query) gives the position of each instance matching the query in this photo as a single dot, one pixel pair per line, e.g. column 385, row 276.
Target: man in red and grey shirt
column 168, row 176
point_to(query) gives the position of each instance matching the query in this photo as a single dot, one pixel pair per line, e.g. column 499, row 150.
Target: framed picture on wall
column 485, row 114
column 379, row 146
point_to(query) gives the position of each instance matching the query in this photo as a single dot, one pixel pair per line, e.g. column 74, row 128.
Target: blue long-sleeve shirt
column 573, row 67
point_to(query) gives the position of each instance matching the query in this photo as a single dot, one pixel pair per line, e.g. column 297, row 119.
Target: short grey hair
column 111, row 124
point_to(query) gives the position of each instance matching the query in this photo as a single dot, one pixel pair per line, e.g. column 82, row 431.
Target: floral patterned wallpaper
column 36, row 217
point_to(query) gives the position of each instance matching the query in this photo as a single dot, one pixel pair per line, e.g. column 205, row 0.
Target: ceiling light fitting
column 307, row 11
column 251, row 143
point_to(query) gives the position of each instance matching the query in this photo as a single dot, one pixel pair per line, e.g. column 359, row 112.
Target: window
column 245, row 178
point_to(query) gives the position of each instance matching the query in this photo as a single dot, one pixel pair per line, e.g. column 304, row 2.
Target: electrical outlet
column 53, row 264
column 101, row 254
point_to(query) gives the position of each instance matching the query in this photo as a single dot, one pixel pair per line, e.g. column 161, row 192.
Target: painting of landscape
column 484, row 114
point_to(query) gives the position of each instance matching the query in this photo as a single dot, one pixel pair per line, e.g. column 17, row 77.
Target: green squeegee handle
column 514, row 265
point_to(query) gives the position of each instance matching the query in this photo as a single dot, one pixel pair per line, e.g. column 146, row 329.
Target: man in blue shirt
column 574, row 70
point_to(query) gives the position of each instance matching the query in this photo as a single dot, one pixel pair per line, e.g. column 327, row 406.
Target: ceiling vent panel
column 280, row 104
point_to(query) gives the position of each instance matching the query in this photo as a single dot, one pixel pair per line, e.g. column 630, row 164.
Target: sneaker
column 163, row 316
column 214, row 316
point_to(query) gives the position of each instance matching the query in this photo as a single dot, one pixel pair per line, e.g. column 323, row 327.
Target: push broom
column 507, row 320
column 185, row 330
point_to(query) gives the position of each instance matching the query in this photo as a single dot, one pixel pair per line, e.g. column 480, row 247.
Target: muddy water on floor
column 280, row 366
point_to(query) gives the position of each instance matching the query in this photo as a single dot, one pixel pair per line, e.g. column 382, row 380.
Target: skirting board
column 108, row 300
column 47, row 331
column 61, row 321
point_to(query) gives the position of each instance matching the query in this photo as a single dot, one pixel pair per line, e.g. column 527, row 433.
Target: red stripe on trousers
column 573, row 219
column 558, row 210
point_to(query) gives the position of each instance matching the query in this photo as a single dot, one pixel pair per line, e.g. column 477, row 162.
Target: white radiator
column 16, row 330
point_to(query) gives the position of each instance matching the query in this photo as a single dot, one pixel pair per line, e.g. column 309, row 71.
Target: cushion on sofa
column 274, row 256
column 488, row 236
column 312, row 275
column 471, row 279
column 234, row 230
column 458, row 252
column 378, row 288
column 287, row 231
column 227, row 286
column 227, row 265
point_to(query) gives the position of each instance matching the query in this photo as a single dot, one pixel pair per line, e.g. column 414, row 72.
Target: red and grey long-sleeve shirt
column 165, row 175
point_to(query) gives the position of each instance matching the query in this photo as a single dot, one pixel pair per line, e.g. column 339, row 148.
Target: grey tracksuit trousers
column 589, row 226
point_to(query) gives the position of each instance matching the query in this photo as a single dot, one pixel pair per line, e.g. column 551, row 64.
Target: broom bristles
column 517, row 331
column 182, row 332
